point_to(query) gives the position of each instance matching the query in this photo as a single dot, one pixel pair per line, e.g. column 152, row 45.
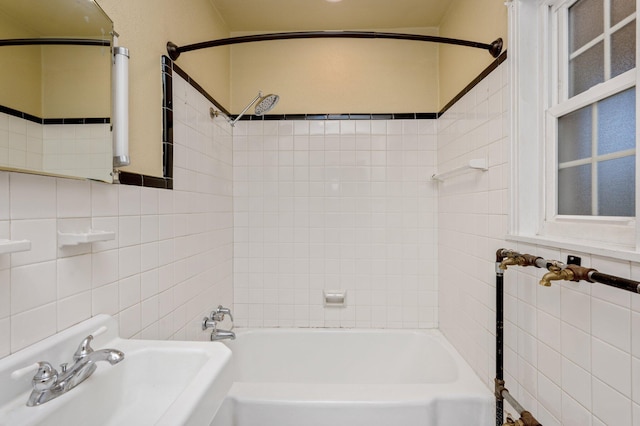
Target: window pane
column 617, row 122
column 574, row 190
column 586, row 70
column 616, row 187
column 620, row 9
column 574, row 135
column 586, row 22
column 623, row 49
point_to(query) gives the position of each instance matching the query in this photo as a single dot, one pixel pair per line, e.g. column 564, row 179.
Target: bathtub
column 340, row 377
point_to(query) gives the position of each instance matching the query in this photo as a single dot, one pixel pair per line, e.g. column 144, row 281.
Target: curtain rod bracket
column 172, row 50
column 496, row 47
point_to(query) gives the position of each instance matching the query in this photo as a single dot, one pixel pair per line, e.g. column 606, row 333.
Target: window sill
column 613, row 252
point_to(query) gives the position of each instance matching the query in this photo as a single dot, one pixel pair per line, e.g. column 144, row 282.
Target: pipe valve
column 511, row 422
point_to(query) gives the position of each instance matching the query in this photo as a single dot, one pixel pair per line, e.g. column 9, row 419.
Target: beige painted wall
column 338, row 75
column 476, row 20
column 20, row 77
column 145, row 26
column 76, row 81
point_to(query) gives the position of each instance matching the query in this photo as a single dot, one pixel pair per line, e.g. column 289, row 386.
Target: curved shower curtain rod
column 174, row 51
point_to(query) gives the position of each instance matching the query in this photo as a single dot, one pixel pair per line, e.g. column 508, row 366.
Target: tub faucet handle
column 221, row 311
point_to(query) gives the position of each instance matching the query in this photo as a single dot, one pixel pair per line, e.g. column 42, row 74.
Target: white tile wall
column 77, row 150
column 65, row 149
column 335, row 205
column 571, row 350
column 170, row 264
column 20, row 143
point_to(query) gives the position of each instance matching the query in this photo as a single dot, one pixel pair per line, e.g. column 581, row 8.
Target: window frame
column 537, row 35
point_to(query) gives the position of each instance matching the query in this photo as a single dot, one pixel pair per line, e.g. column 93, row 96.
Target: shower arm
column 235, row 120
column 174, row 51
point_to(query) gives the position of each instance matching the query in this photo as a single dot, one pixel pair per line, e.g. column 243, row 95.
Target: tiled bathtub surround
column 171, row 261
column 335, row 205
column 572, row 350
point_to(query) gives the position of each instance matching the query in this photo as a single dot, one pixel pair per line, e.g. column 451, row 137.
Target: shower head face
column 266, row 104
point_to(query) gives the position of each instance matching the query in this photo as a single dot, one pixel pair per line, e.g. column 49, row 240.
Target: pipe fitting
column 528, row 419
column 510, row 421
column 498, row 388
column 517, row 259
column 581, row 273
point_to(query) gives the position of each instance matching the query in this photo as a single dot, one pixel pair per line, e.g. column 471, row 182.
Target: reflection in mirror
column 55, row 100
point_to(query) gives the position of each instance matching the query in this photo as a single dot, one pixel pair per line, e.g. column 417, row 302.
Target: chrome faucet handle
column 84, row 348
column 209, row 322
column 46, row 377
column 224, row 311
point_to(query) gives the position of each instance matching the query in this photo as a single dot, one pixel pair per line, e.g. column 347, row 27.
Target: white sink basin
column 157, row 383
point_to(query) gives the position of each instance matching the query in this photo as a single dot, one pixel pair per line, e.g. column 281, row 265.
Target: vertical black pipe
column 499, row 341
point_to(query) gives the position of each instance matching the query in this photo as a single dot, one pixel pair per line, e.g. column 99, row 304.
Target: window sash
column 617, row 231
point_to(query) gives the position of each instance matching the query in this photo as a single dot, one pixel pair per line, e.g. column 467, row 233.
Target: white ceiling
column 309, row 15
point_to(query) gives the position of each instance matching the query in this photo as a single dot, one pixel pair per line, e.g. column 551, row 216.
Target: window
column 585, row 93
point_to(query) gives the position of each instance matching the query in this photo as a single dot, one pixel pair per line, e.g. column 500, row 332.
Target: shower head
column 264, row 105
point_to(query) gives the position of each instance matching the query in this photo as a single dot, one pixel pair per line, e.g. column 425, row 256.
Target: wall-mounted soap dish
column 335, row 298
column 14, row 246
column 91, row 236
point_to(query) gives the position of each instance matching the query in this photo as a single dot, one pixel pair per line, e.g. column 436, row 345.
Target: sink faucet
column 212, row 322
column 49, row 384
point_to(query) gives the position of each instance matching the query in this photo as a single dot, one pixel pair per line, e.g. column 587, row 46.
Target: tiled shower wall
column 171, row 261
column 335, row 205
column 572, row 350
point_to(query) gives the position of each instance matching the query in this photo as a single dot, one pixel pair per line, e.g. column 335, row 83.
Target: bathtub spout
column 222, row 335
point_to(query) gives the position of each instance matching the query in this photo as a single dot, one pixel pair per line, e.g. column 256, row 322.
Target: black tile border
column 372, row 116
column 45, row 121
column 135, row 179
column 97, row 120
column 168, row 67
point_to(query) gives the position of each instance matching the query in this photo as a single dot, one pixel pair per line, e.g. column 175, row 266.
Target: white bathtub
column 338, row 377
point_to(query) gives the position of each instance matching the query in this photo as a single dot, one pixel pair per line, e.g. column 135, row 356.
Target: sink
column 158, row 382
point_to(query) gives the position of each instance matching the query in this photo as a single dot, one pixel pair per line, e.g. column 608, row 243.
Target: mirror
column 55, row 99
